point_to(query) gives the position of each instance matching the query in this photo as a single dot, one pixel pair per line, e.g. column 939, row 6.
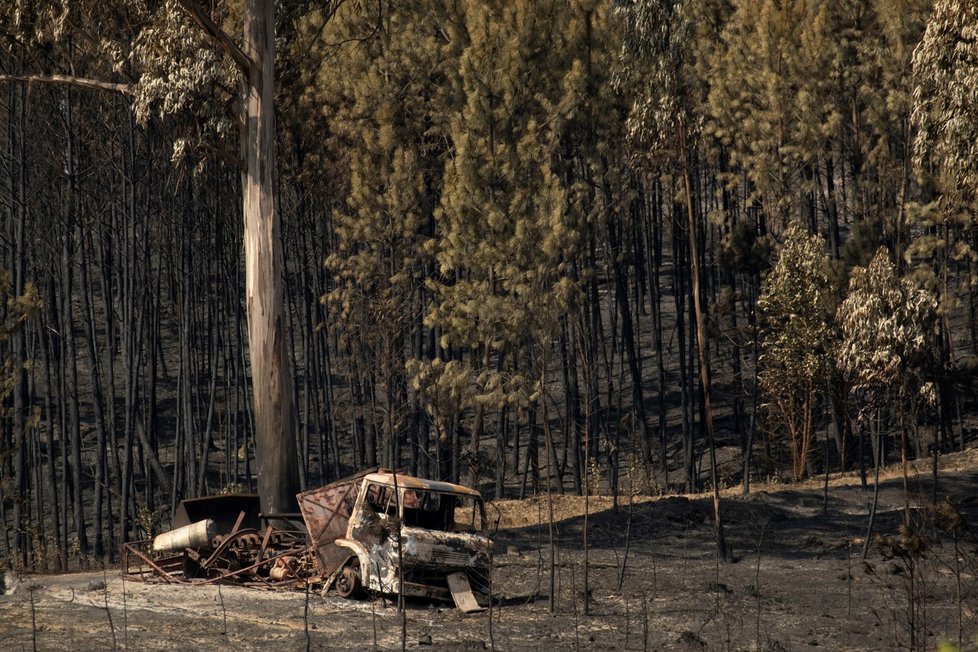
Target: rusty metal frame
column 131, row 549
column 256, row 565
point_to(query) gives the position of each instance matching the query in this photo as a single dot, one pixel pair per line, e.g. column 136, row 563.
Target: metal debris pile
column 208, row 550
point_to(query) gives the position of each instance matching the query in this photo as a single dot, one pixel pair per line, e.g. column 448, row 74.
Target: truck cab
column 436, row 531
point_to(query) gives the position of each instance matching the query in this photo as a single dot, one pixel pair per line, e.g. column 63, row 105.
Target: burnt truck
column 363, row 529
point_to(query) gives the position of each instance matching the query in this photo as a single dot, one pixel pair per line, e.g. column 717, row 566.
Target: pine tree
column 504, row 240
column 386, row 95
column 770, row 97
column 885, row 95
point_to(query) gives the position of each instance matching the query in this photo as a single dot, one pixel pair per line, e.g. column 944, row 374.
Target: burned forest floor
column 797, row 582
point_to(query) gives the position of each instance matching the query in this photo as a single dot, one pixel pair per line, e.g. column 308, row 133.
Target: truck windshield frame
column 428, row 509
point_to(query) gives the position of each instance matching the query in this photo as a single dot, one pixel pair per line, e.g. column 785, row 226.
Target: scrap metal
column 376, row 532
column 208, row 544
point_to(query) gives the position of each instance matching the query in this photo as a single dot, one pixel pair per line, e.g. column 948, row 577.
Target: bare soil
column 797, row 582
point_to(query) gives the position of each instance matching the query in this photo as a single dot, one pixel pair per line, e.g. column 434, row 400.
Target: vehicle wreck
column 365, row 528
column 376, row 532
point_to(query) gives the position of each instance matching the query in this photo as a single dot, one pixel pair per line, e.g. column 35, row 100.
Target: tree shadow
column 796, row 523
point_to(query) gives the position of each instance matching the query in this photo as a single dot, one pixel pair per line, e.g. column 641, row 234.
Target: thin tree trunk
column 703, row 350
column 68, row 327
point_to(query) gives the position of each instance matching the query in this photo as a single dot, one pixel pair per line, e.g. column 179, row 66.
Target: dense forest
column 617, row 247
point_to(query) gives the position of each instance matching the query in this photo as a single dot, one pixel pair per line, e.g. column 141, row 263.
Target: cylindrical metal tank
column 195, row 535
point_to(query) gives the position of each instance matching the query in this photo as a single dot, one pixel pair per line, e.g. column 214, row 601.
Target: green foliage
column 506, row 236
column 453, row 129
column 667, row 46
column 945, row 106
column 465, row 168
column 879, row 76
column 887, row 328
column 181, row 75
column 385, row 99
column 448, row 387
column 945, row 69
column 389, row 135
column 797, row 337
column 864, row 241
column 657, row 38
column 20, row 308
column 771, row 94
column 796, row 307
column 743, row 250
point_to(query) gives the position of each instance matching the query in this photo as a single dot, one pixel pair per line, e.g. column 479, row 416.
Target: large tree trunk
column 271, row 382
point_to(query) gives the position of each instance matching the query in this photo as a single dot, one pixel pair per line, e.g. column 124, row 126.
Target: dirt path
column 798, row 584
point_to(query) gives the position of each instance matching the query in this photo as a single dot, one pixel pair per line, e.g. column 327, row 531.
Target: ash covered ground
column 798, row 582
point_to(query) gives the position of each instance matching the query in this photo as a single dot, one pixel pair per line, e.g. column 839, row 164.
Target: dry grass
column 533, row 511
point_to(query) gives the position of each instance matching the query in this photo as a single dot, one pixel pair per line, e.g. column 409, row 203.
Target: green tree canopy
column 797, row 337
column 887, row 325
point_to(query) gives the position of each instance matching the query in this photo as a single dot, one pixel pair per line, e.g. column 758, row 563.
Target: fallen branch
column 124, row 89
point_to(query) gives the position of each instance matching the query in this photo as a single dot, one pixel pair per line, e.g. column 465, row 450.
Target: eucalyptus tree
column 664, row 56
column 179, row 53
column 887, row 346
column 270, row 375
column 943, row 234
column 945, row 113
column 946, row 97
column 797, row 339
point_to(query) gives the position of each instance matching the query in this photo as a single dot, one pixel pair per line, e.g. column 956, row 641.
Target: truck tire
column 348, row 584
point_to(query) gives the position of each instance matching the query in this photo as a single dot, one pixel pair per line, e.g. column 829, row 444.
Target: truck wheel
column 348, row 583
